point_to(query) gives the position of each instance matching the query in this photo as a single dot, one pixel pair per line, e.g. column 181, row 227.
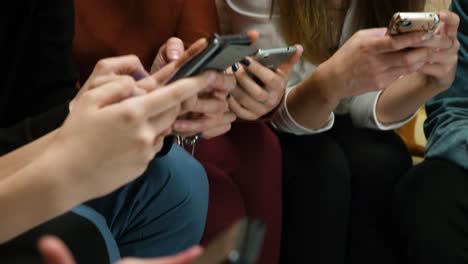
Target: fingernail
column 235, row 67
column 246, row 62
column 139, row 75
column 228, row 96
column 175, row 55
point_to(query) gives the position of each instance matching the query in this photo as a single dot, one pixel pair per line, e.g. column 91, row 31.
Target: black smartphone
column 240, row 244
column 221, row 53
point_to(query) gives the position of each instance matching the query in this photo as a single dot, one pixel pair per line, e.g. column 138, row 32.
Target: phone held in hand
column 273, row 58
column 402, row 23
column 221, row 53
column 240, row 244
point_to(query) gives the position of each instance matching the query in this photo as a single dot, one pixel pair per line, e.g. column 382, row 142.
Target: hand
column 54, row 251
column 442, row 61
column 371, row 61
column 250, row 100
column 113, row 135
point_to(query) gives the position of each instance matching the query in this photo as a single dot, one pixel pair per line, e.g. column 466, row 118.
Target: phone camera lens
column 405, row 23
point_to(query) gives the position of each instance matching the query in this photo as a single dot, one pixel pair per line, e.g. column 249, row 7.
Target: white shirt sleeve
column 363, row 111
column 283, row 121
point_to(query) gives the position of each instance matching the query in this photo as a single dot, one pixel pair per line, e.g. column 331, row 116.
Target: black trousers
column 431, row 207
column 79, row 234
column 338, row 190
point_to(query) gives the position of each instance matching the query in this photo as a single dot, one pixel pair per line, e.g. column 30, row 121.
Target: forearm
column 20, row 158
column 403, row 98
column 312, row 101
column 35, row 194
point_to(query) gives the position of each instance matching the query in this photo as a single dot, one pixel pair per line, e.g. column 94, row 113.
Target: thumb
column 113, row 92
column 172, row 50
column 185, row 257
column 54, row 251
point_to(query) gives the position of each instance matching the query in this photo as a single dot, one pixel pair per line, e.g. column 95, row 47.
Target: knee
column 186, row 191
column 430, row 207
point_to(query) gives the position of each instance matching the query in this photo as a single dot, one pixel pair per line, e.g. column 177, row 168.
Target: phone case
column 402, row 23
column 222, row 52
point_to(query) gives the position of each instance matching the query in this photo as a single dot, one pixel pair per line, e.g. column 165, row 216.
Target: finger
column 167, row 72
column 451, row 22
column 174, row 49
column 248, row 102
column 185, row 257
column 443, row 57
column 170, row 51
column 175, row 93
column 395, row 73
column 265, row 75
column 218, row 131
column 124, row 65
column 54, row 251
column 254, row 36
column 440, row 42
column 210, row 106
column 240, row 111
column 249, row 85
column 286, row 68
column 396, row 43
column 198, row 125
column 110, row 93
column 164, row 121
column 406, row 58
column 101, row 80
column 188, row 105
column 223, row 84
column 435, row 70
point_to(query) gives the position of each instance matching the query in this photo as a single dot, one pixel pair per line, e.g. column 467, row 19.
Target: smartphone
column 402, row 23
column 221, row 53
column 240, row 244
column 272, row 58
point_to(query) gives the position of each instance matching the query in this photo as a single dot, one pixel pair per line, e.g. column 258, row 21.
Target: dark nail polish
column 246, row 62
column 228, row 96
column 235, row 67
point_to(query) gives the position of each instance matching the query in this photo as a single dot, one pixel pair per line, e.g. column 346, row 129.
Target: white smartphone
column 272, row 58
column 402, row 23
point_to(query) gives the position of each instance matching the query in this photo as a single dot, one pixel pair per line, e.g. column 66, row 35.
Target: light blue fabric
column 447, row 125
column 162, row 212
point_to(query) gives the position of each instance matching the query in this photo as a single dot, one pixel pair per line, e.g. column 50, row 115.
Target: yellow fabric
column 413, row 134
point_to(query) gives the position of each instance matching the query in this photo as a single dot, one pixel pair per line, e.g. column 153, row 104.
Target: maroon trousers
column 245, row 175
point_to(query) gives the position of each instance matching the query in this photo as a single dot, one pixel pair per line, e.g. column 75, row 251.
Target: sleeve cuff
column 283, row 121
column 391, row 126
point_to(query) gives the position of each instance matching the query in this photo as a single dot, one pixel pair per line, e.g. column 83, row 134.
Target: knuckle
column 102, row 65
column 144, row 141
column 132, row 115
column 133, row 58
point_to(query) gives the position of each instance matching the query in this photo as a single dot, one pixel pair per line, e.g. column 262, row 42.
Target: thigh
column 316, row 199
column 81, row 235
column 431, row 209
column 250, row 156
column 377, row 159
column 162, row 212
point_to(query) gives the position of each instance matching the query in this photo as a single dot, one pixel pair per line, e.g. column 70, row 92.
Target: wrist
column 323, row 79
column 66, row 171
